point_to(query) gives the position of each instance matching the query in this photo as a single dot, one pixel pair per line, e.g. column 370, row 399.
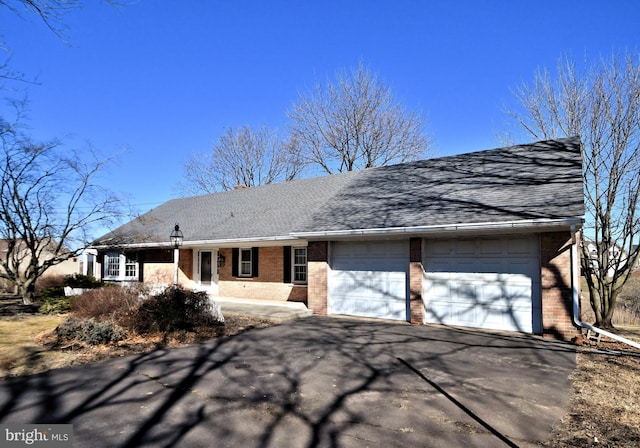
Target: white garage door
column 483, row 283
column 369, row 279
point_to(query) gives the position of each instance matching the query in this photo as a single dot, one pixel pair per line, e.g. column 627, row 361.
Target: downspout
column 575, row 279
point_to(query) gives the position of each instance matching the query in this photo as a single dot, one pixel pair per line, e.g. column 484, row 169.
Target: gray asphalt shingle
column 535, row 181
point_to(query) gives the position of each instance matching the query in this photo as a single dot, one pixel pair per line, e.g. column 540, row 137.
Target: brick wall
column 415, row 280
column 318, row 266
column 161, row 272
column 557, row 297
column 268, row 285
column 158, row 273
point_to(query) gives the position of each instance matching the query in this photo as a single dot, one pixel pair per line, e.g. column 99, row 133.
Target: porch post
column 176, row 257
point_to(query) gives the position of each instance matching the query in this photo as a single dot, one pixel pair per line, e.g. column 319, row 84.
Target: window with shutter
column 300, row 265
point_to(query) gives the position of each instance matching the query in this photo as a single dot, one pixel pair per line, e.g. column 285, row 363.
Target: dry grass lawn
column 28, row 345
column 605, row 401
column 20, row 353
column 604, row 409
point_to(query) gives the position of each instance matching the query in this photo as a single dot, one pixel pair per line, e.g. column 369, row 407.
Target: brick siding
column 268, row 285
column 415, row 280
column 161, row 272
column 318, row 271
column 557, row 297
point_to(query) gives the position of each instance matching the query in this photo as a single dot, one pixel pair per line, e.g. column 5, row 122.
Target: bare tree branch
column 602, row 105
column 242, row 156
column 48, row 205
column 355, row 123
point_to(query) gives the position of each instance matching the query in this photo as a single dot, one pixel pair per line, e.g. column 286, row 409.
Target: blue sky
column 159, row 80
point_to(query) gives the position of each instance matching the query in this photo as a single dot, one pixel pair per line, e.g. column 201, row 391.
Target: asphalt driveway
column 315, row 381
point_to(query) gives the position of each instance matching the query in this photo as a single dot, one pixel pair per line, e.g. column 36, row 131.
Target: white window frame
column 125, row 264
column 245, row 263
column 112, row 266
column 294, row 265
column 131, row 265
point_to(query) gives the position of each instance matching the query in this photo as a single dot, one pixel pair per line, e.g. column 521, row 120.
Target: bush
column 91, row 331
column 108, row 302
column 50, row 286
column 53, row 292
column 55, row 304
column 176, row 309
column 81, row 281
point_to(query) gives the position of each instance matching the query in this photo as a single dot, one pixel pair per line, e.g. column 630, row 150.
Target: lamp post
column 176, row 238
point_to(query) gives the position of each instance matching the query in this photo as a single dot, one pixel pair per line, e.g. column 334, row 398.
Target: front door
column 205, row 268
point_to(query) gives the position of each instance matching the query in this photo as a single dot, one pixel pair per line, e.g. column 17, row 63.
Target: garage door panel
column 369, row 279
column 489, row 248
column 485, row 283
column 463, row 247
column 468, row 315
column 522, row 246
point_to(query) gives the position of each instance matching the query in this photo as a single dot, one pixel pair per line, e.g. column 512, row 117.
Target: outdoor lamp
column 176, row 236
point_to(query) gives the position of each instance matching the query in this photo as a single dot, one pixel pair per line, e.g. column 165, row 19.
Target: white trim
column 300, row 238
column 241, row 261
column 449, row 228
column 122, row 268
column 293, row 265
column 224, row 243
column 212, row 288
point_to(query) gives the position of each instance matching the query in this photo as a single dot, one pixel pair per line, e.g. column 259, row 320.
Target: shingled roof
column 535, row 182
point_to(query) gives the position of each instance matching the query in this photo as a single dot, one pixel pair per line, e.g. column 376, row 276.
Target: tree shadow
column 506, row 184
column 312, row 382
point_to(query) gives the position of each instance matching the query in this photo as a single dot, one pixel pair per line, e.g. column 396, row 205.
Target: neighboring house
column 476, row 240
column 67, row 267
column 616, row 259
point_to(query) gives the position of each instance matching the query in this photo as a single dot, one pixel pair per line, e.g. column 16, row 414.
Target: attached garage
column 369, row 279
column 491, row 283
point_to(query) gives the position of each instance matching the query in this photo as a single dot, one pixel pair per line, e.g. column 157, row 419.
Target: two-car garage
column 489, row 283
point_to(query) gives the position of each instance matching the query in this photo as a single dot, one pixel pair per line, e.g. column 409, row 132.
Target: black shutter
column 234, row 261
column 287, row 264
column 141, row 257
column 254, row 262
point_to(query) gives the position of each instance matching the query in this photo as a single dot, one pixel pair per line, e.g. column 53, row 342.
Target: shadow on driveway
column 315, row 381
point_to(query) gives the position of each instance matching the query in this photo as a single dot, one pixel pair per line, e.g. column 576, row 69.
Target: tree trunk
column 29, row 293
column 606, row 322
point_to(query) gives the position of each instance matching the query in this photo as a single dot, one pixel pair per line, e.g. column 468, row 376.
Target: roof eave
column 506, row 226
column 539, row 225
column 228, row 242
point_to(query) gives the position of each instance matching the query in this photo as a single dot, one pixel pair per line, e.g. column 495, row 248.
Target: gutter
column 576, row 298
column 235, row 242
column 461, row 227
column 295, row 237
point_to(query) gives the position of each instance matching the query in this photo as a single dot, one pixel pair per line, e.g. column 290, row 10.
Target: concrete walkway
column 277, row 311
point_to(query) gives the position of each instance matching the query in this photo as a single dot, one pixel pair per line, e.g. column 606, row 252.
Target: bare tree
column 48, row 204
column 355, row 123
column 242, row 156
column 50, row 12
column 602, row 105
